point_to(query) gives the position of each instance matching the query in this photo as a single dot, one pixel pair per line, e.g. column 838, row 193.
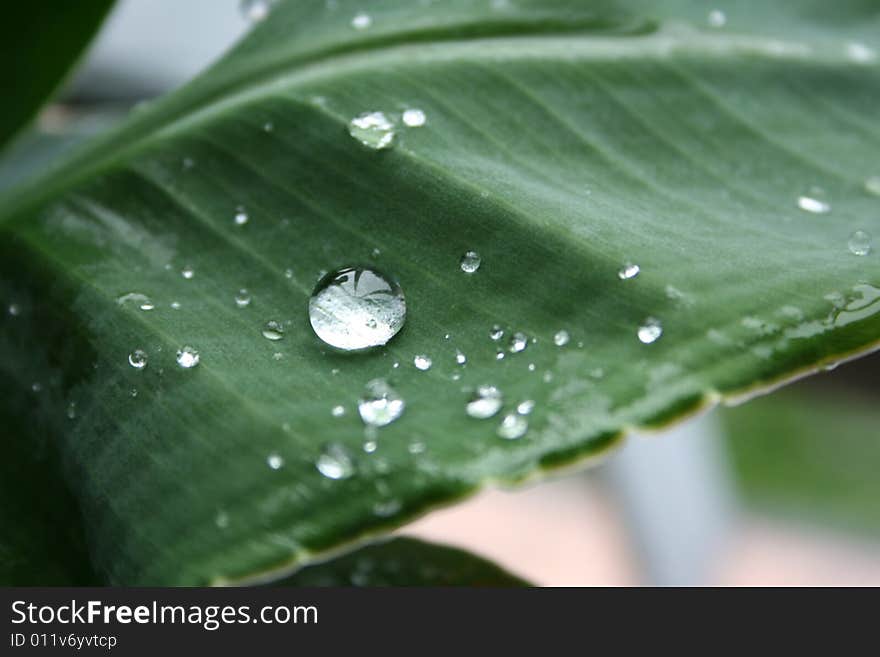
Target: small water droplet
column 717, row 18
column 470, row 262
column 525, row 407
column 496, row 333
column 513, row 426
column 138, row 359
column 372, row 129
column 187, row 272
column 422, row 362
column 485, row 402
column 175, row 305
column 650, row 330
column 136, row 299
column 815, row 200
column 277, row 356
column 499, row 355
column 518, row 342
column 335, row 462
column 547, row 377
column 361, row 21
column 188, row 163
column 628, row 271
column 36, row 386
column 275, row 461
column 356, row 308
column 268, row 126
column 337, row 411
column 14, row 310
column 187, row 357
column 414, row 118
column 71, row 411
column 860, row 243
column 273, row 330
column 240, row 217
column 221, row 520
column 460, row 358
column 872, row 185
column 416, row 447
column 380, row 404
column 255, row 11
column 532, row 367
column 370, row 446
column 561, row 338
column 134, row 392
column 243, row 298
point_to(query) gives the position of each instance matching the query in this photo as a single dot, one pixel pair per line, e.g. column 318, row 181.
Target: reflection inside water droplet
column 138, row 359
column 860, row 243
column 513, row 426
column 187, row 357
column 273, row 330
column 650, row 331
column 485, row 402
column 335, row 462
column 357, row 308
column 380, row 404
column 372, row 129
column 470, row 262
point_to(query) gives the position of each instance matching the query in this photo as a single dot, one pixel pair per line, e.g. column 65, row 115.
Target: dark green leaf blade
column 405, row 561
column 558, row 153
column 39, row 44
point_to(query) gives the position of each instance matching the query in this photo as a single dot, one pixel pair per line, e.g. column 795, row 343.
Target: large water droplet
column 242, row 298
column 335, row 462
column 380, row 404
column 860, row 243
column 138, row 359
column 650, row 331
column 273, row 330
column 372, row 129
column 187, row 357
column 361, row 21
column 422, row 362
column 815, row 200
column 561, row 338
column 356, row 308
column 513, row 426
column 470, row 262
column 628, row 271
column 518, row 342
column 485, row 402
column 414, row 118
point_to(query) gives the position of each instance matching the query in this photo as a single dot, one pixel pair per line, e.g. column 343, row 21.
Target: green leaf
column 405, row 562
column 563, row 139
column 809, row 453
column 39, row 43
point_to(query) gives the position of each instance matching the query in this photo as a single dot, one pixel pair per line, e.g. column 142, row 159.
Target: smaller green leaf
column 405, row 562
column 809, row 453
column 39, row 44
